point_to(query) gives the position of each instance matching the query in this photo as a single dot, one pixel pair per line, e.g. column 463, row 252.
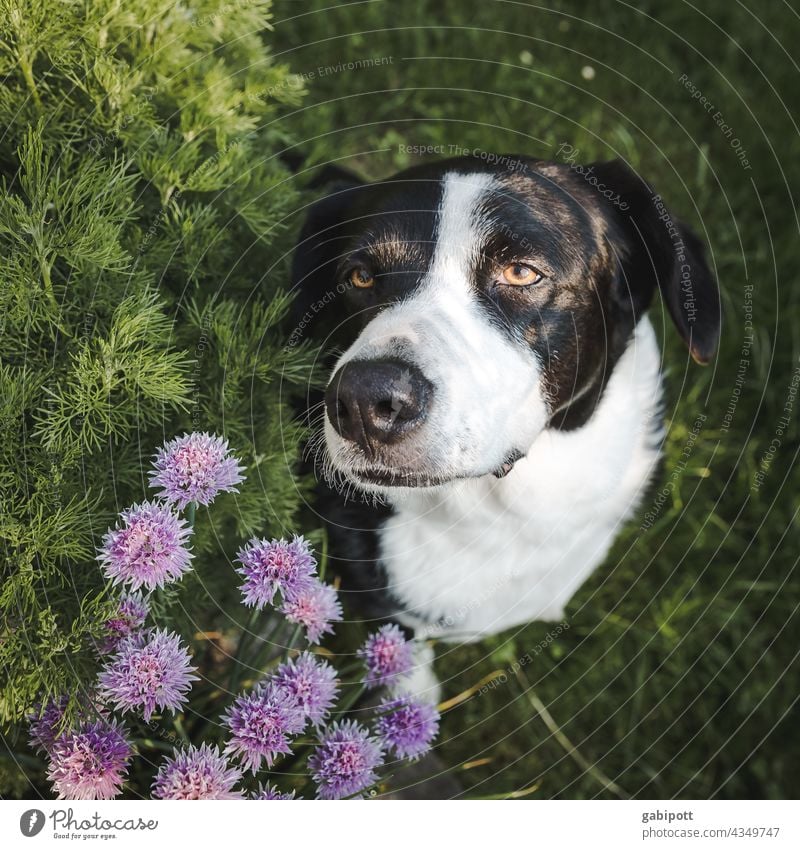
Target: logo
column 401, row 392
column 31, row 822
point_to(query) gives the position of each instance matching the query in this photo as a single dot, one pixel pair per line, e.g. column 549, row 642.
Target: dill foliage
column 142, row 200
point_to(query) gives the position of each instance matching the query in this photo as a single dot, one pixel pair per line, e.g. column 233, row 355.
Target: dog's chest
column 488, row 554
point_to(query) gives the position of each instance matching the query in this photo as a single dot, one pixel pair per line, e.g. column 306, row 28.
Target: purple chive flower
column 90, row 762
column 195, row 467
column 45, row 723
column 314, row 607
column 267, row 567
column 269, row 793
column 388, row 655
column 345, row 761
column 150, row 670
column 149, row 549
column 311, row 683
column 407, row 726
column 195, row 773
column 132, row 612
column 260, row 724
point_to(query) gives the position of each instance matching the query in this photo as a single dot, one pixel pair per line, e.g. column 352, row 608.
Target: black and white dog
column 497, row 398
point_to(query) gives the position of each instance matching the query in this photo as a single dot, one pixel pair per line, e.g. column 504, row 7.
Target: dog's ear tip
column 703, row 352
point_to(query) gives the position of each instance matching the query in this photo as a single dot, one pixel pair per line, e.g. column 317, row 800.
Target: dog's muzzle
column 377, row 404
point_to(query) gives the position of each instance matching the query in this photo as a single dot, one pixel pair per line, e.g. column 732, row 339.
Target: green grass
column 678, row 675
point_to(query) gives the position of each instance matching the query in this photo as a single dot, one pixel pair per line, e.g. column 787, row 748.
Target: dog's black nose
column 372, row 402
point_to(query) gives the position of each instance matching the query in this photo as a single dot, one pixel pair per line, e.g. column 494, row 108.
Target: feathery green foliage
column 142, row 245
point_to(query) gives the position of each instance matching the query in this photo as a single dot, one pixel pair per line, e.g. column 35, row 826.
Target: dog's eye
column 361, row 278
column 519, row 274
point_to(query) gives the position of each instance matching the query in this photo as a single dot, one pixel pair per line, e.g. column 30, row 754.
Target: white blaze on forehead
column 460, row 232
column 444, row 308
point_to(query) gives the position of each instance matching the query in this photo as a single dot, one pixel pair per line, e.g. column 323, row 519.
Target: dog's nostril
column 384, row 408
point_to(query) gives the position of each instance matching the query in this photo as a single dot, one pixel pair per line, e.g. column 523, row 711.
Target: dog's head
column 478, row 304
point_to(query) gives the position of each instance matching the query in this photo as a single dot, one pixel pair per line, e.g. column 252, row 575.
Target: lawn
column 678, row 674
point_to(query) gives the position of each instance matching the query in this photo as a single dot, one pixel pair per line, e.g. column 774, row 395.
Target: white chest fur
column 483, row 555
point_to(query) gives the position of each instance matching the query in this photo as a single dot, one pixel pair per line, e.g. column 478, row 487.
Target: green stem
column 348, row 669
column 261, row 659
column 178, row 723
column 292, row 640
column 48, row 282
column 191, row 509
column 236, row 670
column 323, row 560
column 27, row 72
column 153, row 744
column 352, row 700
column 199, row 703
column 158, row 596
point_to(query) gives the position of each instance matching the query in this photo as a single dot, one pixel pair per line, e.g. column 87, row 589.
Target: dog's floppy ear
column 324, row 238
column 658, row 249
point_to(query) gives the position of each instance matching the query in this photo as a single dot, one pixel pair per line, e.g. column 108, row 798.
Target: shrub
column 141, row 213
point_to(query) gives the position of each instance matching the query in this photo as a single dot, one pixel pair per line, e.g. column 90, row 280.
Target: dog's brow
column 396, row 251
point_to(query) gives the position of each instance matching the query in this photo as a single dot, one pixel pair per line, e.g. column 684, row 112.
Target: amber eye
column 518, row 274
column 361, row 278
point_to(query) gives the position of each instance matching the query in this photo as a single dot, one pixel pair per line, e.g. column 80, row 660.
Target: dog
column 493, row 414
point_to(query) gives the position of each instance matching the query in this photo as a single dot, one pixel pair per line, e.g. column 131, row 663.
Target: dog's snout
column 377, row 402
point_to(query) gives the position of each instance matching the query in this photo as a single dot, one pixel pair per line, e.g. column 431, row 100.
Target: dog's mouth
column 413, row 479
column 399, row 478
